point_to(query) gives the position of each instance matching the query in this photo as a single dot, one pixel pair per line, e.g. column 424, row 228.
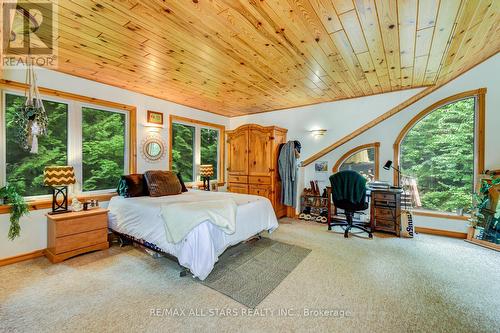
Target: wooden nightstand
column 74, row 233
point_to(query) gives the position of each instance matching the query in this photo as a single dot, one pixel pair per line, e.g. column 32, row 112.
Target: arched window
column 437, row 150
column 363, row 159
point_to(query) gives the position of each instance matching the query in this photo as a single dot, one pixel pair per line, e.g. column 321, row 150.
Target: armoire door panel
column 238, row 153
column 259, row 153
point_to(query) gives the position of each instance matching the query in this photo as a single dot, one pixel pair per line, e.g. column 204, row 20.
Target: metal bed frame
column 125, row 240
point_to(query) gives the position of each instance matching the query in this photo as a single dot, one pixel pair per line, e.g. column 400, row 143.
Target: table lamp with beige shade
column 59, row 177
column 206, row 171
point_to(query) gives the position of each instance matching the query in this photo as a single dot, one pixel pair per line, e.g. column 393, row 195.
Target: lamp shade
column 388, row 165
column 58, row 176
column 206, row 170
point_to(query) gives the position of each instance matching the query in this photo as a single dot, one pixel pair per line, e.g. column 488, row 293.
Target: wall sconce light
column 318, row 132
column 152, row 127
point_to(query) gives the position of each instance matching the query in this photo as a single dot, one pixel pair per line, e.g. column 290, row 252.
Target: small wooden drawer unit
column 238, row 179
column 262, row 190
column 74, row 233
column 386, row 211
column 238, row 188
column 259, row 180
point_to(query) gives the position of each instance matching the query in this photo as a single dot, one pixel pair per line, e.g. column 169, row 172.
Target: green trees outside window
column 209, row 148
column 439, row 153
column 103, row 148
column 187, row 150
column 101, row 156
column 24, row 171
column 183, row 137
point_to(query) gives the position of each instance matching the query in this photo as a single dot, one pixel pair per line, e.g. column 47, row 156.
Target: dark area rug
column 248, row 272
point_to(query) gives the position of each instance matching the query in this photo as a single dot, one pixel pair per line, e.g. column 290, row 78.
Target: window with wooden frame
column 192, row 143
column 440, row 152
column 104, row 148
column 96, row 137
column 363, row 159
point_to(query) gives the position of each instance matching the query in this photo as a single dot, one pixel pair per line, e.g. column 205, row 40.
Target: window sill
column 441, row 215
column 47, row 203
column 200, row 184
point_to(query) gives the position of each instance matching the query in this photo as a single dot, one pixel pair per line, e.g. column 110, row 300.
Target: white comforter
column 141, row 217
column 221, row 213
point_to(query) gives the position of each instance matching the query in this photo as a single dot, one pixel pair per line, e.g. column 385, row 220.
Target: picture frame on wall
column 321, row 166
column 155, row 118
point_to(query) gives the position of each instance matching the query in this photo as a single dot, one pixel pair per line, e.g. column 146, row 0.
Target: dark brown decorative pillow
column 133, row 185
column 136, row 185
column 162, row 183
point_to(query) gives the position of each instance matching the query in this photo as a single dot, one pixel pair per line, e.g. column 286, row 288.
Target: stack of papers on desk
column 378, row 185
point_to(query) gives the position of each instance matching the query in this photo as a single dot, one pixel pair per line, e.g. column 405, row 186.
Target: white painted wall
column 34, row 227
column 341, row 118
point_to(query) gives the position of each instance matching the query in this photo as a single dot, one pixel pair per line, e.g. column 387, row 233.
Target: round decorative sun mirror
column 153, row 149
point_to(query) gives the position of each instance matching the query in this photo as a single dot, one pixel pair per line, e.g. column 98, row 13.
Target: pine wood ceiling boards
column 237, row 57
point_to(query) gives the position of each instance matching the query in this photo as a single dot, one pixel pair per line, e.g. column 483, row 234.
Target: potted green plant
column 480, row 201
column 18, row 208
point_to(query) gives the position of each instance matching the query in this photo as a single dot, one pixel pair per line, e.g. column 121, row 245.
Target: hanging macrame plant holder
column 31, row 119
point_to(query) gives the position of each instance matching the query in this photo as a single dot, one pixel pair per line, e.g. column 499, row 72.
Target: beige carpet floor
column 426, row 284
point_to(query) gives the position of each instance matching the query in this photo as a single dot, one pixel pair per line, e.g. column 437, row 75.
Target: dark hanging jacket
column 287, row 165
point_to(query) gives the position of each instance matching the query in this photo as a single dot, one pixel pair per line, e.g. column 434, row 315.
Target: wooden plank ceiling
column 236, row 57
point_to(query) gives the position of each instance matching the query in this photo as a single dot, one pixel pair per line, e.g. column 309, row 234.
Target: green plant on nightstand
column 18, row 208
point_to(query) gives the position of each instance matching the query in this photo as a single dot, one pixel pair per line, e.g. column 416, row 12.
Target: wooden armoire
column 253, row 162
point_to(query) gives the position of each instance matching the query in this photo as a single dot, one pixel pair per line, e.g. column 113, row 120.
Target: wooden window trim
column 480, row 95
column 375, row 145
column 438, row 232
column 222, row 131
column 38, row 204
column 441, row 215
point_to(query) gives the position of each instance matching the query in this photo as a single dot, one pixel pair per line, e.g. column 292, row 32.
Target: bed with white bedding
column 141, row 218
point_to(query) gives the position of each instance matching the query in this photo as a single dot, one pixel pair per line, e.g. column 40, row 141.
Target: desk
column 333, row 215
column 385, row 210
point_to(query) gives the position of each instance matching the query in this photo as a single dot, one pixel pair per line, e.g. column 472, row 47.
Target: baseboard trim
column 446, row 233
column 41, row 253
column 22, row 257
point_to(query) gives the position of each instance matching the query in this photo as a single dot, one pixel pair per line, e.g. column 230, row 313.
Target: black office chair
column 349, row 194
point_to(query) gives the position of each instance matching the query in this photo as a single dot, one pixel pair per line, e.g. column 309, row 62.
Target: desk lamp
column 388, row 166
